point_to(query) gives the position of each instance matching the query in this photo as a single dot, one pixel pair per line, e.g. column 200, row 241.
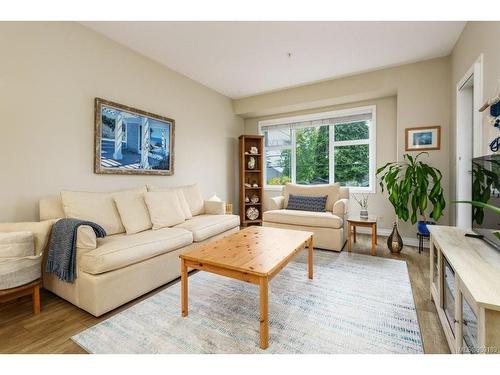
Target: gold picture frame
column 142, row 145
column 423, row 138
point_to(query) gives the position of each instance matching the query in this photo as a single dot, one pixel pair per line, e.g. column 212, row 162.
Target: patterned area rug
column 355, row 304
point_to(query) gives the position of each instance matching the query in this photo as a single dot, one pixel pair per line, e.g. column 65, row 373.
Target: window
column 322, row 148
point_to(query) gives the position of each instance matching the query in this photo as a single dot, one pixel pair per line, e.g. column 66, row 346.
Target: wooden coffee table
column 254, row 255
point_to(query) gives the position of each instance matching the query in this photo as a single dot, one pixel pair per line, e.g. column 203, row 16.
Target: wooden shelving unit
column 251, row 176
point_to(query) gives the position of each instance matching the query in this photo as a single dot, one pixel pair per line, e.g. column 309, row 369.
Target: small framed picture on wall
column 423, row 138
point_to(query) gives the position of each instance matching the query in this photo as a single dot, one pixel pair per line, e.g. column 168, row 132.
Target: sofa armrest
column 215, row 208
column 341, row 207
column 86, row 238
column 277, row 203
column 41, row 231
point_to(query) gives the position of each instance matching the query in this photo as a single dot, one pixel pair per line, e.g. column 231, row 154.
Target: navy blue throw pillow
column 307, row 203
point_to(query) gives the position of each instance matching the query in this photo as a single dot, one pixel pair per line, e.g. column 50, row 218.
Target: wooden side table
column 32, row 288
column 356, row 221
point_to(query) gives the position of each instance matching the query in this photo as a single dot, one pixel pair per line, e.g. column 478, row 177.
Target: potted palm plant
column 413, row 187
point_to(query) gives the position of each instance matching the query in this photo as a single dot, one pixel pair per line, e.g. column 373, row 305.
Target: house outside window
column 322, row 148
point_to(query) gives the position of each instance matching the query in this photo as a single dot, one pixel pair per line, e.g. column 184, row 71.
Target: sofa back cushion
column 343, row 192
column 192, row 195
column 133, row 211
column 99, row 208
column 180, row 194
column 331, row 190
column 184, row 204
column 194, row 198
column 51, row 208
column 164, row 208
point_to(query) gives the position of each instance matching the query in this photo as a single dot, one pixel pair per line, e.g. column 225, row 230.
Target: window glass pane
column 469, row 328
column 352, row 165
column 278, row 137
column 352, row 131
column 278, row 168
column 312, row 155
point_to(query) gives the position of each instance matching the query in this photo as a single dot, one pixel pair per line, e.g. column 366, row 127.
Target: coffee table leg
column 264, row 307
column 184, row 288
column 310, row 258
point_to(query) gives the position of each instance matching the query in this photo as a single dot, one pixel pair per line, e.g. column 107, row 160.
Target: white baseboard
column 385, row 232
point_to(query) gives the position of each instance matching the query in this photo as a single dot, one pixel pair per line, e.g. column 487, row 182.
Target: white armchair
column 21, row 252
column 277, row 203
column 329, row 227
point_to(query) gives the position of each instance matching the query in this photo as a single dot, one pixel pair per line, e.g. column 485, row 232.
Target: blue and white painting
column 423, row 139
column 131, row 141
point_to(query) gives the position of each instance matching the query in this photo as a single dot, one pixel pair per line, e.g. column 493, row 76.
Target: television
column 486, row 189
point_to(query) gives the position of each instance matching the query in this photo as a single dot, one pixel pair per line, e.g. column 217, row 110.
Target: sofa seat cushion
column 206, row 226
column 122, row 250
column 305, row 218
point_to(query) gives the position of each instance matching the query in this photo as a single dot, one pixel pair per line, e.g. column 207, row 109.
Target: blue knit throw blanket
column 61, row 257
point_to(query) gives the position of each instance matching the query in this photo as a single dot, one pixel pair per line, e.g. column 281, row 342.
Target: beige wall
column 477, row 38
column 422, row 98
column 49, row 76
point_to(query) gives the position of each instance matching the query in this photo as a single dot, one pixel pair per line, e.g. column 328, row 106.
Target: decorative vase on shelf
column 251, row 162
column 363, row 213
column 252, row 213
column 394, row 241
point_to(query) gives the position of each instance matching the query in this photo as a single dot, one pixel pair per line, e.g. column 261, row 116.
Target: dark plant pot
column 422, row 227
column 394, row 241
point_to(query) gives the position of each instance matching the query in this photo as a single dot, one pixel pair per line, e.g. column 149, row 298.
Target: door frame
column 475, row 72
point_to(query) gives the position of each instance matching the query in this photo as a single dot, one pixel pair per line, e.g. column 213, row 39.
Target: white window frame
column 371, row 141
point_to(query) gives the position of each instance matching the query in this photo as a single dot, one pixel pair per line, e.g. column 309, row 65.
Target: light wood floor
column 50, row 331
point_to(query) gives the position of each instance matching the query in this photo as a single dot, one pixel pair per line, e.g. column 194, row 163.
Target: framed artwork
column 131, row 141
column 423, row 139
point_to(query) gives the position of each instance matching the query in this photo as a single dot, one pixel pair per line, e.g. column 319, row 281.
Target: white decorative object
column 254, row 150
column 251, row 162
column 252, row 213
column 254, row 199
column 362, row 200
column 255, row 185
column 247, row 200
column 247, row 185
column 214, row 198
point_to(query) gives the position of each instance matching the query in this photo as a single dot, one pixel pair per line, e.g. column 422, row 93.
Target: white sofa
column 121, row 267
column 329, row 227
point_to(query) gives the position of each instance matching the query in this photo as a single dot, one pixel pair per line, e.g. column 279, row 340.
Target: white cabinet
column 465, row 287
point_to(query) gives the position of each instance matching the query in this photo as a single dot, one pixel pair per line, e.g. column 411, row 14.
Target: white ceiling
column 241, row 59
